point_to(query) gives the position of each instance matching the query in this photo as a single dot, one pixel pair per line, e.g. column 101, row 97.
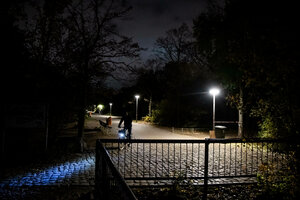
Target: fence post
column 206, row 168
column 97, row 171
column 101, row 180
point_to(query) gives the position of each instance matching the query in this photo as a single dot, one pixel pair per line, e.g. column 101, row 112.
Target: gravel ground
column 234, row 192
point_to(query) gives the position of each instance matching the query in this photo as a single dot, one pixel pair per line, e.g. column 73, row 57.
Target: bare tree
column 83, row 39
column 174, row 47
column 96, row 46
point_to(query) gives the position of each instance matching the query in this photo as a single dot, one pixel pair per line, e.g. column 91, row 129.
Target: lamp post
column 214, row 92
column 110, row 105
column 137, row 105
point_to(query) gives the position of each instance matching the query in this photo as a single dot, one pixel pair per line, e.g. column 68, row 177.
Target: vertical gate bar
column 267, row 158
column 235, row 152
column 162, row 158
column 224, row 158
column 277, row 157
column 199, row 149
column 230, row 159
column 206, row 168
column 124, row 163
column 156, row 160
column 257, row 157
column 119, row 155
column 143, row 159
column 262, row 152
column 168, row 159
column 130, row 163
column 219, row 155
column 213, row 159
column 98, row 169
column 241, row 165
column 272, row 151
column 137, row 159
column 150, row 146
column 246, row 159
column 252, row 158
column 192, row 160
column 174, row 157
column 281, row 161
column 186, row 157
column 180, row 157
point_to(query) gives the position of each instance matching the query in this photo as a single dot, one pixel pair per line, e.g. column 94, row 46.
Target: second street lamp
column 136, row 108
column 110, row 105
column 214, row 92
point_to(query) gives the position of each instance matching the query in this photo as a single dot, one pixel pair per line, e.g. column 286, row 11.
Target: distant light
column 100, row 106
column 214, row 91
column 110, row 104
column 137, row 96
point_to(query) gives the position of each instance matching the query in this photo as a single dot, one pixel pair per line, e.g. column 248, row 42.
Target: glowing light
column 214, row 91
column 100, row 106
column 121, row 135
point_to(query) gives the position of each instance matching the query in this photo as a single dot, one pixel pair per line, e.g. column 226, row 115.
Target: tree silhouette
column 82, row 38
column 251, row 47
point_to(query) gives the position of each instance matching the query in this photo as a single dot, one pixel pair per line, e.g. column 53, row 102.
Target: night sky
column 150, row 19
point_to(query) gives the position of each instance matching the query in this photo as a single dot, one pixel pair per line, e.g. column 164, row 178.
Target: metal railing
column 164, row 159
column 200, row 162
column 109, row 184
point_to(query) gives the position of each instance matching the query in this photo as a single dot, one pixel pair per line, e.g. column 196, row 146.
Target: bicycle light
column 121, row 134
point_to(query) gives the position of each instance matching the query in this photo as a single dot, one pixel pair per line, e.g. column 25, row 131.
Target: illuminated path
column 72, row 169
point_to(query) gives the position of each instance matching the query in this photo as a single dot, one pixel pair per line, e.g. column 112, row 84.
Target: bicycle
column 123, row 135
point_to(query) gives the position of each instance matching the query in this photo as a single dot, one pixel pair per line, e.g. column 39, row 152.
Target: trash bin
column 108, row 121
column 220, row 131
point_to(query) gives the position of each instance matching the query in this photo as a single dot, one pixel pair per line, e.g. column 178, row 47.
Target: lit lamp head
column 110, row 104
column 137, row 96
column 100, row 106
column 214, row 91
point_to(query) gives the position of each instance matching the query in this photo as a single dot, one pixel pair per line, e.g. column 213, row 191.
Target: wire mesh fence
column 166, row 159
column 198, row 162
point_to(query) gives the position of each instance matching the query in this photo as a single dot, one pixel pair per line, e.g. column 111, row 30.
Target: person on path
column 127, row 119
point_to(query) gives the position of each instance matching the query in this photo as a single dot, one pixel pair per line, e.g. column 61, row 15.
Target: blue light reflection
column 77, row 172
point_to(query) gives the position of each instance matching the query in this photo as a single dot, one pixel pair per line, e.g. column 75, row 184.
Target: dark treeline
column 248, row 48
column 61, row 52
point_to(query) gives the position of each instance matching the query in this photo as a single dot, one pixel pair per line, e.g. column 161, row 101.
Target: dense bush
column 279, row 184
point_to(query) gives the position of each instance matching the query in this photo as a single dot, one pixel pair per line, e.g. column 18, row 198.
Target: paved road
column 142, row 130
column 77, row 169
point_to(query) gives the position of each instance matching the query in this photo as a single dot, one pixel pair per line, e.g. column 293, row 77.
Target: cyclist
column 126, row 118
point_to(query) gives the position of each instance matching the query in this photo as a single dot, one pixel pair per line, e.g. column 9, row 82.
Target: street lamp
column 110, row 105
column 137, row 104
column 100, row 107
column 214, row 92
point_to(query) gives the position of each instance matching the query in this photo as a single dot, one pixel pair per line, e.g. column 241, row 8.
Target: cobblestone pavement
column 72, row 169
column 164, row 160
